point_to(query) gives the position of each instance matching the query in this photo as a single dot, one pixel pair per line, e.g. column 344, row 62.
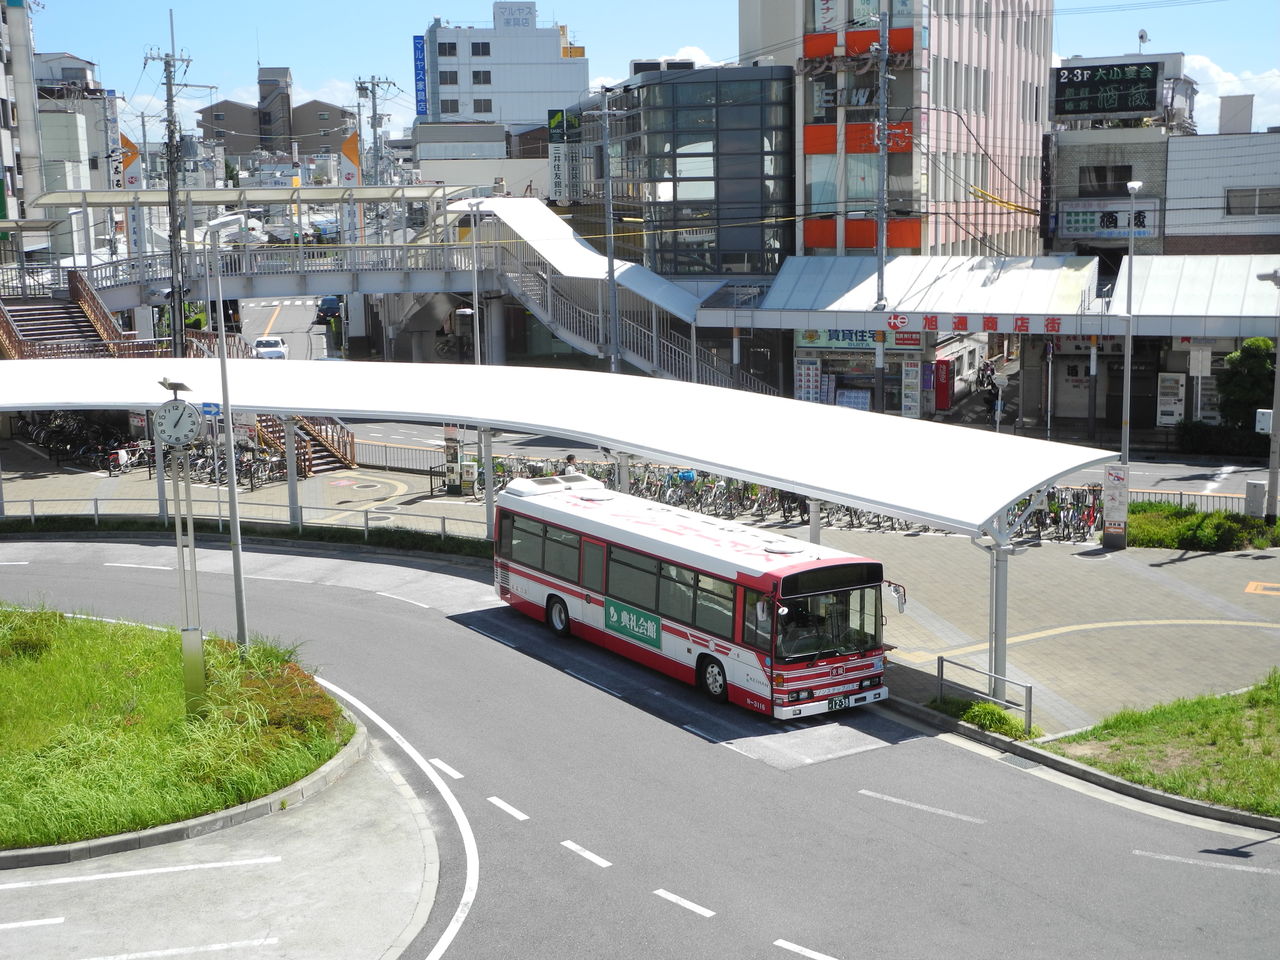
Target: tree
column 1246, row 382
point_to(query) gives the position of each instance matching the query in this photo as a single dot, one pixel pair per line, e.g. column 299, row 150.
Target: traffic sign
column 1000, row 380
column 210, row 409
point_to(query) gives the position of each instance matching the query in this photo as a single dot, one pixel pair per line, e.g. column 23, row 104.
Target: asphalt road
column 287, row 317
column 618, row 814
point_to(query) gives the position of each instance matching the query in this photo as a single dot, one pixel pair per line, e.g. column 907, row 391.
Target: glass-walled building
column 701, row 170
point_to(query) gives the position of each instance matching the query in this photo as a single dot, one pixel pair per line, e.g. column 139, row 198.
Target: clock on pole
column 178, row 422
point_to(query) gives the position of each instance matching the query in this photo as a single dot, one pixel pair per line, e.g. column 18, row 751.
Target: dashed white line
column 687, row 904
column 392, row 596
column 503, row 805
column 13, row 925
column 444, row 767
column 583, row 852
column 921, row 806
column 139, row 566
column 598, row 686
column 803, row 951
column 183, row 951
column 14, row 563
column 52, row 881
column 1207, row 863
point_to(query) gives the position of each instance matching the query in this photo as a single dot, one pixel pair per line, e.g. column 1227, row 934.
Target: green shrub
column 991, row 717
column 1168, row 526
column 1198, row 437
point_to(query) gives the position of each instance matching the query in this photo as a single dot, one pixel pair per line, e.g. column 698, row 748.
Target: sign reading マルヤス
column 1108, row 90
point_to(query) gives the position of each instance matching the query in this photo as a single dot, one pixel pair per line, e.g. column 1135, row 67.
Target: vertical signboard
column 349, row 176
column 420, row 75
column 911, row 389
column 556, row 143
column 943, row 385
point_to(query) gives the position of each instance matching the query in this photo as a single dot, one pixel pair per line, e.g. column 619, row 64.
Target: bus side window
column 504, row 535
column 560, row 554
column 593, row 565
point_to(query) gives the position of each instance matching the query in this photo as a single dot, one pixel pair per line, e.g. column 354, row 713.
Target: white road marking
column 503, row 805
column 186, row 951
column 441, row 765
column 392, row 596
column 139, row 566
column 31, row 923
column 1218, row 478
column 184, row 868
column 582, row 852
column 803, row 951
column 1207, row 863
column 598, row 686
column 921, row 806
column 14, row 563
column 470, row 849
column 687, row 904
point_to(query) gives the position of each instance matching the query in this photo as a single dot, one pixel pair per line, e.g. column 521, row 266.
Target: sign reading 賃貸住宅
column 1108, row 90
column 856, row 339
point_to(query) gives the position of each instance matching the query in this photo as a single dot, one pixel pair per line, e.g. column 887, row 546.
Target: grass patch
column 1171, row 527
column 95, row 738
column 986, row 716
column 1223, row 750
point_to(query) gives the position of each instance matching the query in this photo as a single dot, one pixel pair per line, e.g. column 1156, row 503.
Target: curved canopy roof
column 949, row 477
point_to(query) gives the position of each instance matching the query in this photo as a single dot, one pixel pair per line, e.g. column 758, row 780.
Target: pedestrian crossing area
column 304, row 302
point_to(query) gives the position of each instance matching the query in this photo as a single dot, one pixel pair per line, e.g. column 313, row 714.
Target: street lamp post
column 1116, row 530
column 1273, row 462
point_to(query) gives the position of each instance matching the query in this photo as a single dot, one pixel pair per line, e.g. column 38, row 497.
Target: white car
column 271, row 348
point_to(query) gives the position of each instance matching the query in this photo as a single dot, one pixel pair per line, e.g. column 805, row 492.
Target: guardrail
column 276, row 514
column 1012, row 704
column 1205, row 502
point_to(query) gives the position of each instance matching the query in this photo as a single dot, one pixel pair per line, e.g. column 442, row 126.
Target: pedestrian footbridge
column 520, row 248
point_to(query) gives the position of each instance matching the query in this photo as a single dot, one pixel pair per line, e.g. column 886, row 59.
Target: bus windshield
column 829, row 624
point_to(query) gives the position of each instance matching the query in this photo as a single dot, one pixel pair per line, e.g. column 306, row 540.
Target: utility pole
column 177, row 309
column 882, row 194
column 369, row 88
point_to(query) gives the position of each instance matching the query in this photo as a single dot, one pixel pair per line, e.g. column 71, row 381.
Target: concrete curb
column 1080, row 771
column 357, row 747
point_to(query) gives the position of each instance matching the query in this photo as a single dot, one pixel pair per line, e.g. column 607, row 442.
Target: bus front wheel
column 712, row 678
column 558, row 617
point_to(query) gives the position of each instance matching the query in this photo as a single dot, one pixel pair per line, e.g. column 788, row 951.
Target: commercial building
column 511, row 73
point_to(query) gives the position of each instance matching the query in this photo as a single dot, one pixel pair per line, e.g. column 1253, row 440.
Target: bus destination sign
column 1108, row 90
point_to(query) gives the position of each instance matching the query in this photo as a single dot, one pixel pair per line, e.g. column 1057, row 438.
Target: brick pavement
column 1092, row 631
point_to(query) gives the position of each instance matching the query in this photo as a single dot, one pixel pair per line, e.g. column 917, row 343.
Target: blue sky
column 1231, row 44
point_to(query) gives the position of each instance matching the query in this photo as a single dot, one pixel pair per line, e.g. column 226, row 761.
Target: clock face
column 178, row 422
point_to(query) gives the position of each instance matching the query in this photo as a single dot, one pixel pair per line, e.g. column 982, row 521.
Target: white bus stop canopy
column 948, row 477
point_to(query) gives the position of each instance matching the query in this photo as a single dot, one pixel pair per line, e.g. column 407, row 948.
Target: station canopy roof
column 949, row 477
column 251, row 196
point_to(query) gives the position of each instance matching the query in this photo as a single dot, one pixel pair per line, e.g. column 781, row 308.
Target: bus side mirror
column 900, row 594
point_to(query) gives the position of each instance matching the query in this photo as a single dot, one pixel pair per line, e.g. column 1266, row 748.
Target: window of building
column 1253, row 202
column 482, row 106
column 322, row 114
column 265, row 116
column 481, row 78
column 219, row 134
column 448, row 106
column 449, row 49
column 448, row 78
column 1100, row 181
column 480, row 48
column 219, row 116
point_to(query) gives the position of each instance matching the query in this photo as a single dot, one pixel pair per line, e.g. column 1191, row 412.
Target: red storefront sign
column 943, row 385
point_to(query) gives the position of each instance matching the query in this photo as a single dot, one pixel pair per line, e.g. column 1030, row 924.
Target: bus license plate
column 837, row 703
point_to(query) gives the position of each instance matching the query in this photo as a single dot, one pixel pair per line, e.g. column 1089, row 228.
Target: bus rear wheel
column 712, row 679
column 558, row 617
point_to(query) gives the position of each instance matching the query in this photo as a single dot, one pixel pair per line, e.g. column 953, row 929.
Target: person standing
column 570, row 466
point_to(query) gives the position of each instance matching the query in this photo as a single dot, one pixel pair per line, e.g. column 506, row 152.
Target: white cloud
column 1214, row 82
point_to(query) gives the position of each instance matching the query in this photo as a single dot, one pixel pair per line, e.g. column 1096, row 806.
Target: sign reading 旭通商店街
column 632, row 623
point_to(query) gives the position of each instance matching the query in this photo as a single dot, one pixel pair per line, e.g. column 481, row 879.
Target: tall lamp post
column 1115, row 534
column 1273, row 462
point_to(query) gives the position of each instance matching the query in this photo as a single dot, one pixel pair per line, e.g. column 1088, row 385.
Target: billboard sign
column 1108, row 91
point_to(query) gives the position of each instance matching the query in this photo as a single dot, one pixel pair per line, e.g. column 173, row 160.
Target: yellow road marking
column 398, row 490
column 1264, row 588
column 925, row 656
column 271, row 320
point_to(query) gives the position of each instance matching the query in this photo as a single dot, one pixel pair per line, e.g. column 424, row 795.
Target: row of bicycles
column 72, row 438
column 1067, row 514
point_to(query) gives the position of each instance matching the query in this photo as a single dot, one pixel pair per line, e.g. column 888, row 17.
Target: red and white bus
column 774, row 624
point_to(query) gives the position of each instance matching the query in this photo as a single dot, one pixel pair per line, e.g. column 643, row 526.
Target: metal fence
column 389, row 456
column 1025, row 706
column 1205, row 502
column 417, row 517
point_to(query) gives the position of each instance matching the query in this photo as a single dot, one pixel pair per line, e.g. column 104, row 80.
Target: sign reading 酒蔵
column 1110, row 90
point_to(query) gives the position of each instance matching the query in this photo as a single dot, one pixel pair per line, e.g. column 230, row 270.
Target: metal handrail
column 1026, row 707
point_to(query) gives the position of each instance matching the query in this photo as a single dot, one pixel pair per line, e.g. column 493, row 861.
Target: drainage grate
column 1022, row 763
